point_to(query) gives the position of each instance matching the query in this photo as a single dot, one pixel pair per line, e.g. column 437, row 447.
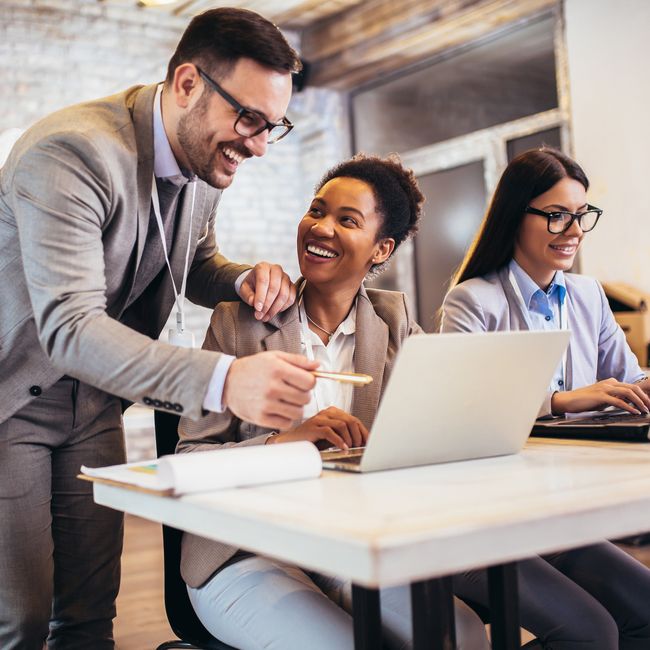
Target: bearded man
column 107, row 213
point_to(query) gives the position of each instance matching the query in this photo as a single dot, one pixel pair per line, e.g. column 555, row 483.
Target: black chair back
column 180, row 613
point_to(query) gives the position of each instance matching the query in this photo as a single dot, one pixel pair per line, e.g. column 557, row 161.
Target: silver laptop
column 457, row 397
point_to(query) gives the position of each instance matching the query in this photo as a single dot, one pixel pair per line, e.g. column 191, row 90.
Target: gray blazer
column 597, row 349
column 384, row 320
column 75, row 199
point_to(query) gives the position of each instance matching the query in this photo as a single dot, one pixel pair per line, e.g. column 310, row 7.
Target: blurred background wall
column 609, row 53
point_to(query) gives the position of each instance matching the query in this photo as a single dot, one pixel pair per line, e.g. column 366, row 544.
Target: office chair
column 180, row 613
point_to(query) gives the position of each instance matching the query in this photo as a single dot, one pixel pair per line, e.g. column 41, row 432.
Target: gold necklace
column 313, row 322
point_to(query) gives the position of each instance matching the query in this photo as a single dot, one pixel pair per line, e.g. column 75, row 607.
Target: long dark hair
column 527, row 176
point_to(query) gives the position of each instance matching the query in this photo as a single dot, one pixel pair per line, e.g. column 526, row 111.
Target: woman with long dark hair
column 514, row 277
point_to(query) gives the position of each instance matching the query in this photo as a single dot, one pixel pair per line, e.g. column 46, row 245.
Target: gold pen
column 346, row 377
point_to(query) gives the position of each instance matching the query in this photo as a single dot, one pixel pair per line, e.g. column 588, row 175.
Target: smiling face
column 210, row 145
column 541, row 253
column 338, row 237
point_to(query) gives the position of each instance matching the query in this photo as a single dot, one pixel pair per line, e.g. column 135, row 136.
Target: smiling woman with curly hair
column 363, row 209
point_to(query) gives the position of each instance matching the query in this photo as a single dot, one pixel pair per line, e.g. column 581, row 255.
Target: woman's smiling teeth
column 563, row 249
column 321, row 252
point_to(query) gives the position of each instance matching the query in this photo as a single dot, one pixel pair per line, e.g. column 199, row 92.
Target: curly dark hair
column 398, row 197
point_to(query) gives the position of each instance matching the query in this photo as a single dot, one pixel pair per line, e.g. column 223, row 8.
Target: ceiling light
column 156, row 3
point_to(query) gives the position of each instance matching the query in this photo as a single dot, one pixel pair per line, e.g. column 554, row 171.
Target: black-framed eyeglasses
column 250, row 123
column 561, row 221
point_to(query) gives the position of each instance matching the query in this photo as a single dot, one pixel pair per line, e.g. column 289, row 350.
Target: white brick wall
column 58, row 52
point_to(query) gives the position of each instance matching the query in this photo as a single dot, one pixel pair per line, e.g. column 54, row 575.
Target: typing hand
column 335, row 426
column 268, row 289
column 270, row 388
column 609, row 392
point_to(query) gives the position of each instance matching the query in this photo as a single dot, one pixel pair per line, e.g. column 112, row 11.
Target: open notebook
column 213, row 470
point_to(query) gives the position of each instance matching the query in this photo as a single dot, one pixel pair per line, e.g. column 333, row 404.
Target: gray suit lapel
column 143, row 126
column 370, row 353
column 141, row 111
column 518, row 320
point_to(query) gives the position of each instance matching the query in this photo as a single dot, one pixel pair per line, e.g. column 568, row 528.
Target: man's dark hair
column 215, row 40
column 397, row 195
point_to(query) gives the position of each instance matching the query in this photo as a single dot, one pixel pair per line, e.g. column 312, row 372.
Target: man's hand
column 335, row 426
column 268, row 289
column 609, row 392
column 270, row 388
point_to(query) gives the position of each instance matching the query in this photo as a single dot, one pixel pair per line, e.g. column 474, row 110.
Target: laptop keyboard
column 608, row 418
column 352, row 456
column 348, row 460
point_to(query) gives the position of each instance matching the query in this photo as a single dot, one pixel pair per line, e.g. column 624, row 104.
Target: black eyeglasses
column 559, row 222
column 250, row 123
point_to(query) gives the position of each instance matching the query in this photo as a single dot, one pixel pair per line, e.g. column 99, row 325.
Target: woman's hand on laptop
column 332, row 425
column 609, row 392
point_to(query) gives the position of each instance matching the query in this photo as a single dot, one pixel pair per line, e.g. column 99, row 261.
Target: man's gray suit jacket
column 75, row 201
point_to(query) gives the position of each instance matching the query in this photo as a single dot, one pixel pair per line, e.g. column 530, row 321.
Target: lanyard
column 564, row 318
column 179, row 336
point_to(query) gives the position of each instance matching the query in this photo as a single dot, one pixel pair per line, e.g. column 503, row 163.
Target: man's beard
column 193, row 138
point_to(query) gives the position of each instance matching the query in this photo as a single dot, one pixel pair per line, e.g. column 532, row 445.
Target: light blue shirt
column 164, row 161
column 543, row 308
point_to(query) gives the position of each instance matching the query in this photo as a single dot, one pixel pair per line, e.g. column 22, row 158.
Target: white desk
column 411, row 525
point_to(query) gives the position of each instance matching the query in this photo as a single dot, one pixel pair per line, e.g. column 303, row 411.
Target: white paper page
column 240, row 466
column 214, row 470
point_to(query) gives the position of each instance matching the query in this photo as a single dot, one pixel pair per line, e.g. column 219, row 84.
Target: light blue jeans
column 263, row 604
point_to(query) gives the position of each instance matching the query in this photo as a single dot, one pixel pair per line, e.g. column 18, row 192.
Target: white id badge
column 184, row 339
